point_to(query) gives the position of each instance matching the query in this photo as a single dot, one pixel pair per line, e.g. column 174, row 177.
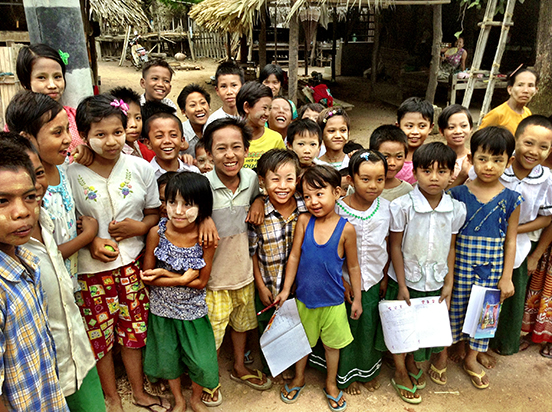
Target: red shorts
column 115, row 301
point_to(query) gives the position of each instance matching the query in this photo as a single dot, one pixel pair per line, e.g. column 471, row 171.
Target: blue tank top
column 320, row 271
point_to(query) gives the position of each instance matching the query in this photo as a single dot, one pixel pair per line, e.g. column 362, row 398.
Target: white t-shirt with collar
column 182, row 167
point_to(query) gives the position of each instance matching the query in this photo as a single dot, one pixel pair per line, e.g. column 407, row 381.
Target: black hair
column 442, row 121
column 388, row 133
column 251, row 92
column 228, row 67
column 344, row 172
column 218, row 124
column 27, row 57
column 93, row 109
column 330, row 112
column 513, row 75
column 189, row 89
column 161, row 115
column 315, row 107
column 272, row 69
column 15, row 158
column 125, row 94
column 320, row 176
column 416, row 105
column 194, row 189
column 29, row 111
column 270, row 161
column 164, row 178
column 19, row 141
column 301, row 126
column 156, row 63
column 351, row 146
column 199, row 145
column 533, row 120
column 152, row 107
column 365, row 155
column 427, row 154
column 286, row 100
column 494, row 139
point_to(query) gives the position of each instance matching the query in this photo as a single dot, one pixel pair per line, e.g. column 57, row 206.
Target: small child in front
column 203, row 161
column 424, row 225
column 180, row 336
column 321, row 243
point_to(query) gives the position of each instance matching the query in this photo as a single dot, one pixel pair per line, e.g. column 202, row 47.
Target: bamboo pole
column 436, row 52
column 125, row 45
column 293, row 57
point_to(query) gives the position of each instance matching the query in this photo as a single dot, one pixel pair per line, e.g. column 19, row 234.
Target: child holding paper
column 424, row 224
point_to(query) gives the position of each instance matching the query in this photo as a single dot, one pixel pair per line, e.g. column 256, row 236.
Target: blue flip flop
column 298, row 390
column 336, row 400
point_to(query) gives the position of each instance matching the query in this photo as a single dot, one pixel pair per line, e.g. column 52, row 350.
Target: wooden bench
column 454, row 84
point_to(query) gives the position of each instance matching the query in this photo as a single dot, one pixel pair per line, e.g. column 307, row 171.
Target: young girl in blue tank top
column 321, row 242
column 177, row 268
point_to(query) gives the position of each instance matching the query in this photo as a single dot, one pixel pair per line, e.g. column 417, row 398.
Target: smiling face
column 165, row 138
column 457, row 130
column 53, row 139
column 134, row 123
column 489, row 167
column 281, row 184
column 532, row 148
column 196, row 109
column 228, row 86
column 228, row 152
column 274, row 84
column 416, row 128
column 107, row 137
column 524, row 88
column 157, row 83
column 432, row 180
column 320, row 202
column 257, row 115
column 280, row 115
column 395, row 154
column 47, row 78
column 307, row 147
column 204, row 161
column 369, row 182
column 336, row 133
column 181, row 213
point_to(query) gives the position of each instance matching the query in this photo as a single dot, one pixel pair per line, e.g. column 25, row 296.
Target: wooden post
column 125, row 45
column 436, row 52
column 375, row 52
column 293, row 56
column 276, row 33
column 334, row 41
column 306, row 53
column 262, row 38
column 190, row 38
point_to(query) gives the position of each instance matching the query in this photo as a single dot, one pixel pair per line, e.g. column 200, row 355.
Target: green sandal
column 416, row 377
column 398, row 388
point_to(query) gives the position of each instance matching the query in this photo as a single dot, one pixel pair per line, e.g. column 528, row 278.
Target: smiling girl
column 335, row 126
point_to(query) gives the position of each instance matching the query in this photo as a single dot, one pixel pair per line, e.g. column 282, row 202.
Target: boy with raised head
column 228, row 82
column 194, row 103
column 231, row 290
column 415, row 118
column 28, row 372
column 156, row 81
column 304, row 137
column 391, row 142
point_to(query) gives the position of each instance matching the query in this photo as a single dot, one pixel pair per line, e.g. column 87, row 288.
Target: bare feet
column 404, row 380
column 457, row 352
column 353, row 389
column 485, row 359
column 153, row 403
column 277, row 380
column 288, row 374
column 197, row 406
column 179, row 407
column 295, row 383
column 373, row 385
column 113, row 405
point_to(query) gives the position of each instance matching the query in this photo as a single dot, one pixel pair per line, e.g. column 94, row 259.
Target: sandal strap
column 439, row 371
column 211, row 391
column 413, row 390
column 259, row 376
column 418, row 375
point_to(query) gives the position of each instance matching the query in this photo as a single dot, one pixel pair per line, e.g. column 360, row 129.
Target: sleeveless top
column 319, row 275
column 177, row 302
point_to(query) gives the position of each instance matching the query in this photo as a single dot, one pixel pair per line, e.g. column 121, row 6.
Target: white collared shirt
column 191, row 138
column 182, row 167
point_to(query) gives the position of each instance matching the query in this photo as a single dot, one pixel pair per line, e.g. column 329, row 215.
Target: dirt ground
column 518, row 383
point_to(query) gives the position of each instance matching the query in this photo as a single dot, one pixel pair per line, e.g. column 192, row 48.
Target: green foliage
column 500, row 7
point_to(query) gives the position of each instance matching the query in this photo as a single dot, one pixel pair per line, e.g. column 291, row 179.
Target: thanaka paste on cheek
column 96, row 145
column 191, row 214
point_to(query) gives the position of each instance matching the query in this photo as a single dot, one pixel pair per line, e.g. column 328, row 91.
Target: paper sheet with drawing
column 284, row 341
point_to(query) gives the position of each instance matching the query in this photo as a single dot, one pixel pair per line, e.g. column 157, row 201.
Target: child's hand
column 383, row 287
column 150, row 275
column 88, row 226
column 99, row 251
column 356, row 309
column 187, row 158
column 532, row 262
column 208, row 235
column 126, row 229
column 446, row 293
column 281, row 298
column 506, row 288
column 265, row 295
column 255, row 215
column 404, row 295
column 349, row 294
column 83, row 155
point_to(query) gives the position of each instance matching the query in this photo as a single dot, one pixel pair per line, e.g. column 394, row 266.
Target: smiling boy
column 194, row 103
column 156, row 82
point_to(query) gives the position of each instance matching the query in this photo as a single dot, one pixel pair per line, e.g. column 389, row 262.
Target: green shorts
column 89, row 397
column 175, row 346
column 328, row 323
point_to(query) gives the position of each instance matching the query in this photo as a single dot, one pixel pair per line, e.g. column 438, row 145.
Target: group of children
column 119, row 245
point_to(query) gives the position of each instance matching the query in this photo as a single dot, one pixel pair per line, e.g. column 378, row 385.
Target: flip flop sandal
column 158, row 404
column 440, row 373
column 211, row 393
column 336, row 400
column 298, row 390
column 479, row 376
column 418, row 376
column 245, row 380
column 547, row 353
column 414, row 401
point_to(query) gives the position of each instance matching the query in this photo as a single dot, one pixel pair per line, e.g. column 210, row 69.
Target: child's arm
column 130, row 228
column 208, row 234
column 99, row 251
column 83, row 155
column 350, row 246
column 264, row 293
column 187, row 158
column 505, row 283
column 88, row 231
column 384, row 282
column 205, row 272
column 255, row 215
column 152, row 241
column 395, row 242
column 544, row 241
column 539, row 223
column 446, row 291
column 293, row 259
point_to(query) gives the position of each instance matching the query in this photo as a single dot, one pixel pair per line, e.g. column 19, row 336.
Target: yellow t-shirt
column 269, row 140
column 504, row 116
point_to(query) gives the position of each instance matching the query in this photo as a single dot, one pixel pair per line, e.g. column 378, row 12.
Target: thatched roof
column 120, row 12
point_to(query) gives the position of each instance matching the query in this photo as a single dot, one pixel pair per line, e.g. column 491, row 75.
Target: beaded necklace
column 360, row 217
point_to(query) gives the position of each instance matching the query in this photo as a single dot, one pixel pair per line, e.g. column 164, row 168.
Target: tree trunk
column 293, row 57
column 262, row 38
column 436, row 50
column 541, row 103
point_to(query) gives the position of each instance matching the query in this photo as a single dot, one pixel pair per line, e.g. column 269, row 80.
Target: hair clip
column 330, row 114
column 121, row 105
column 365, row 155
column 64, row 57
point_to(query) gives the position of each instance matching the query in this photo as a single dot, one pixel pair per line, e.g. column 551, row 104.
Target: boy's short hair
column 351, row 146
column 330, row 112
column 320, row 176
column 29, row 111
column 494, row 139
column 388, row 133
column 442, row 121
column 270, row 161
column 315, row 107
column 512, row 76
column 19, row 141
column 218, row 124
column 189, row 89
column 427, row 154
column 95, row 108
column 164, row 178
column 125, row 94
column 156, row 63
column 251, row 92
column 194, row 189
column 228, row 67
column 416, row 105
column 199, row 145
column 161, row 115
column 301, row 126
column 15, row 158
column 365, row 155
column 27, row 57
column 533, row 120
column 149, row 108
column 274, row 69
